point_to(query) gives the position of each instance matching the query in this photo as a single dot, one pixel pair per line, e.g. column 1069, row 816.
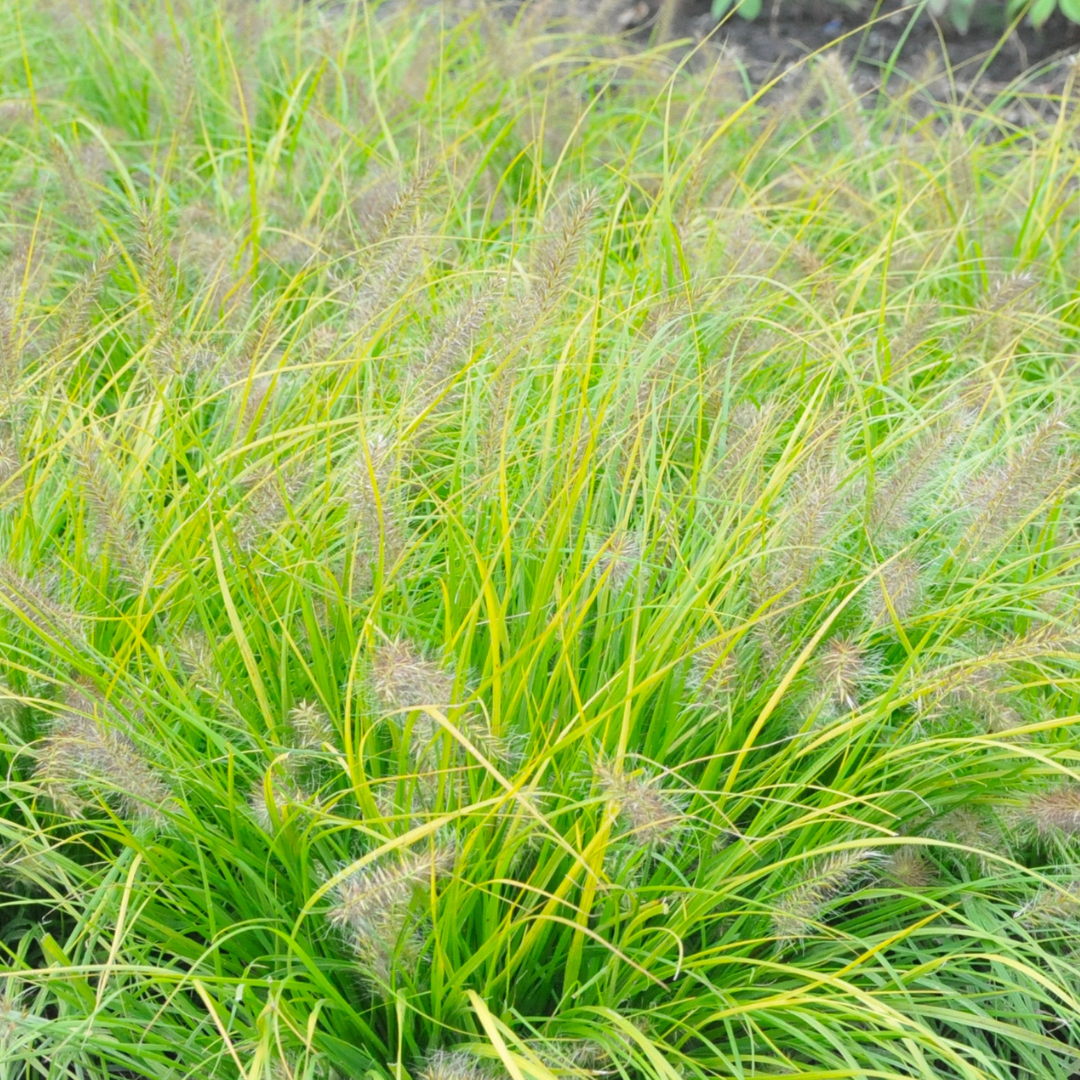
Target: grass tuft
column 526, row 556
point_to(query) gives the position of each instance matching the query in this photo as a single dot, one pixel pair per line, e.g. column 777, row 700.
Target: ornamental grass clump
column 508, row 568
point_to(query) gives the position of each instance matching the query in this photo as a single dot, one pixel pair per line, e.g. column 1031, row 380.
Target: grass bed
column 519, row 560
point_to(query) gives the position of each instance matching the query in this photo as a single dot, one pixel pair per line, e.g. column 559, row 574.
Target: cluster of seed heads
column 386, row 214
column 448, row 348
column 374, row 498
column 579, row 1055
column 403, row 678
column 387, row 208
column 988, row 694
column 831, row 73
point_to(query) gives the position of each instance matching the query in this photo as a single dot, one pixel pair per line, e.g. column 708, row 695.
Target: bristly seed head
column 369, row 477
column 310, row 723
column 455, row 1065
column 1050, row 906
column 271, row 493
column 618, row 559
column 817, row 504
column 800, row 908
column 748, row 430
column 13, row 1017
column 373, row 905
column 912, row 478
column 86, row 751
column 403, row 678
column 589, row 1055
column 842, row 671
column 1056, row 811
column 113, row 529
column 712, row 673
column 987, row 692
column 654, row 818
column 1001, row 496
column 286, row 796
column 372, row 493
column 34, row 600
column 557, row 257
column 971, row 827
column 909, row 867
column 899, row 585
column 363, row 898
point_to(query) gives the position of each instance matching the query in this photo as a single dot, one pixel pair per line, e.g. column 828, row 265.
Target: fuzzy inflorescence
column 311, row 725
column 403, row 678
column 455, row 1065
column 910, row 867
column 1051, row 905
column 619, row 559
column 842, row 672
column 113, row 530
column 798, row 912
column 274, row 797
column 36, row 602
column 88, row 751
column 999, row 497
column 653, row 817
column 373, row 908
column 1057, row 811
column 712, row 673
column 898, row 592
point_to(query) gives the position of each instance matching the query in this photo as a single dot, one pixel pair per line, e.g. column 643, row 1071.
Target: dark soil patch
column 986, row 53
